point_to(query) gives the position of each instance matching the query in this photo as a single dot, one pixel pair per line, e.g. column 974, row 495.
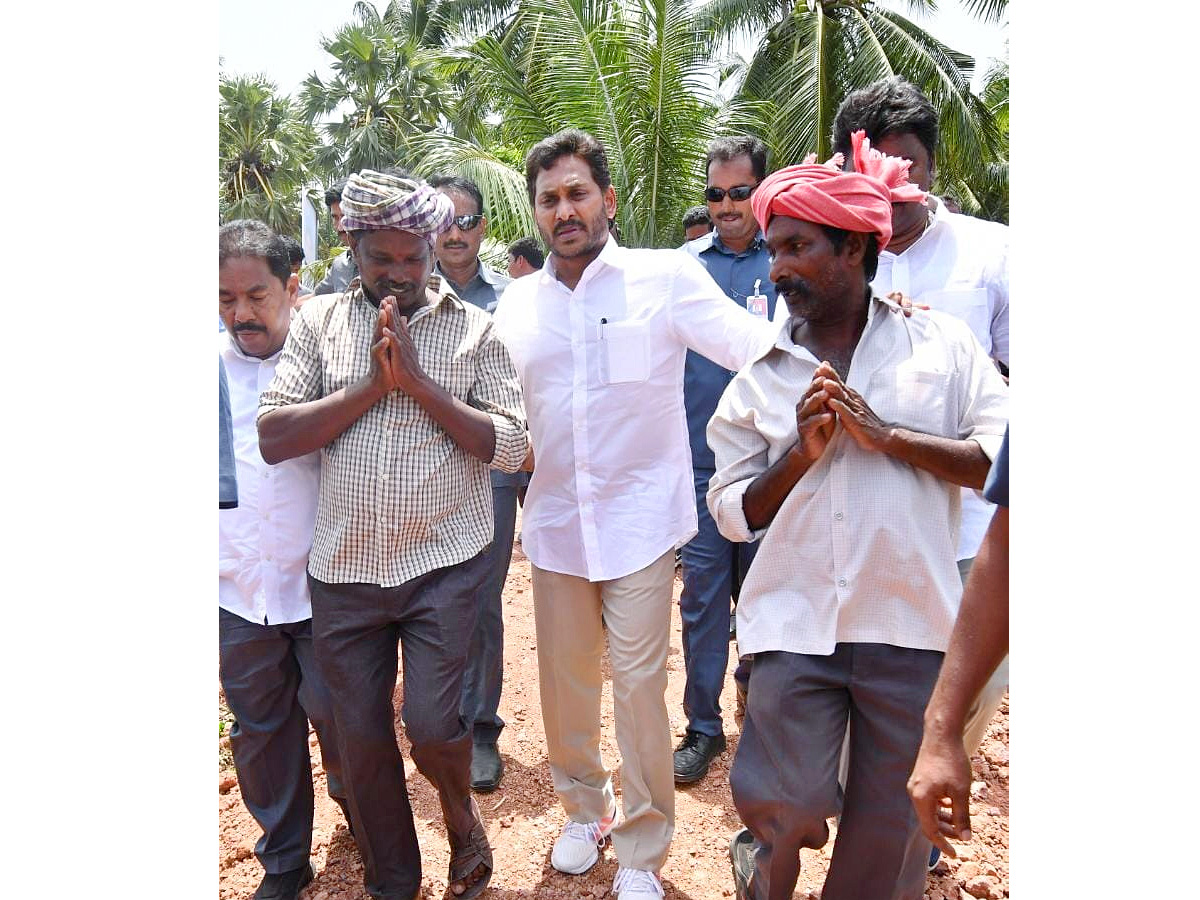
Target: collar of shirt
column 933, row 219
column 784, row 342
column 715, row 243
column 233, row 348
column 486, row 280
column 611, row 254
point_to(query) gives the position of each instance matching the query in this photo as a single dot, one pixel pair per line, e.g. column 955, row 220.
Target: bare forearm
column 767, row 492
column 959, row 462
column 291, row 431
column 471, row 428
column 980, row 637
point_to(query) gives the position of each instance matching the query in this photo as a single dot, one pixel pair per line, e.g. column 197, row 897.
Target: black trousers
column 356, row 629
column 784, row 777
column 273, row 687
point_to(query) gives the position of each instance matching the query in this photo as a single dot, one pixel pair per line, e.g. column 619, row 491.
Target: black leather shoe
column 694, row 755
column 486, row 768
column 285, row 885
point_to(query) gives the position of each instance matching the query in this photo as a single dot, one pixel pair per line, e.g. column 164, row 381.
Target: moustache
column 249, row 326
column 570, row 223
column 387, row 287
column 792, row 286
column 455, row 245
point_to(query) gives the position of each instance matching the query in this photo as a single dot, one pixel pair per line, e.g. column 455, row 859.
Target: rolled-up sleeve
column 298, row 376
column 497, row 392
column 983, row 396
column 741, row 454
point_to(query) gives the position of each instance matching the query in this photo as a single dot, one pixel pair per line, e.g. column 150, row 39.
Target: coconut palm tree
column 810, row 54
column 635, row 73
column 986, row 194
column 383, row 89
column 387, row 86
column 264, row 148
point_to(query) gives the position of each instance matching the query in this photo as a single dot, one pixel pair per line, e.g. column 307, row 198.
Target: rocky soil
column 524, row 817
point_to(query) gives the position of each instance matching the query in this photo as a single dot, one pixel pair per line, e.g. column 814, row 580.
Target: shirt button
column 382, row 520
column 838, row 516
column 841, row 582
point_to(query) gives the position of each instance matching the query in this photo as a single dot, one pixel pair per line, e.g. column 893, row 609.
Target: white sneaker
column 578, row 847
column 636, row 884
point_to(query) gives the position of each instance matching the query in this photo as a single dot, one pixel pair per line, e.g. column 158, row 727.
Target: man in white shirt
column 268, row 670
column 599, row 337
column 849, row 605
column 951, row 263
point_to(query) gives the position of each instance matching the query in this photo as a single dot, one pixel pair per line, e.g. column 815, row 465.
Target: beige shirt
column 863, row 547
column 399, row 497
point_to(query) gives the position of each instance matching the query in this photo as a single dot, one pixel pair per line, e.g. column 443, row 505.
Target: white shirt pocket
column 625, row 352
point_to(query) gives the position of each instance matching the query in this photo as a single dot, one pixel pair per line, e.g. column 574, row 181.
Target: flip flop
column 464, row 860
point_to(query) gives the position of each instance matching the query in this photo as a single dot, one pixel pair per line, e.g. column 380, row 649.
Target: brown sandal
column 464, row 860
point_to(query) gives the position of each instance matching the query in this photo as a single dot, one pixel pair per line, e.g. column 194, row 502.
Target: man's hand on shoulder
column 905, row 303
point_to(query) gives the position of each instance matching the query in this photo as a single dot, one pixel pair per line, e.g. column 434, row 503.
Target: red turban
column 853, row 201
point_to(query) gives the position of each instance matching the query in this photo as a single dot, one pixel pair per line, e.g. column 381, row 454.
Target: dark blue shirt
column 703, row 380
column 228, row 466
column 995, row 490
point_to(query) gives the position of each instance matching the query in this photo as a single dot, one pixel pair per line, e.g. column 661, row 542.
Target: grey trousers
column 356, row 629
column 784, row 777
column 273, row 687
column 484, row 677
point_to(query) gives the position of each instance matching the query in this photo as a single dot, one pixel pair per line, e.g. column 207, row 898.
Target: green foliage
column 264, row 149
column 469, row 85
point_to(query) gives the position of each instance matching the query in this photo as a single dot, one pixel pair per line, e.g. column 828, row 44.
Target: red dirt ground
column 523, row 816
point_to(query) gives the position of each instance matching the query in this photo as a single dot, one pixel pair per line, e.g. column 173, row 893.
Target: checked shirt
column 399, row 497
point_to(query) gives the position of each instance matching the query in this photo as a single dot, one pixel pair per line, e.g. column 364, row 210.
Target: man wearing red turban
column 849, row 437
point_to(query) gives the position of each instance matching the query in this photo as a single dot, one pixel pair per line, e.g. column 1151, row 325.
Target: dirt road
column 524, row 817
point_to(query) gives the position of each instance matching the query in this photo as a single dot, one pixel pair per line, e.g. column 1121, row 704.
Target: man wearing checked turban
column 410, row 398
column 849, row 438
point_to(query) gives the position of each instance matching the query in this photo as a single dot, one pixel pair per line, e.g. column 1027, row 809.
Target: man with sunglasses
column 736, row 257
column 457, row 251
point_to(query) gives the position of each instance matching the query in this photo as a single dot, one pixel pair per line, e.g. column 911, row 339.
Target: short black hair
column 889, row 106
column 528, row 249
column 460, row 184
column 727, row 149
column 696, row 215
column 250, row 237
column 568, row 142
column 837, row 237
column 333, row 193
column 295, row 250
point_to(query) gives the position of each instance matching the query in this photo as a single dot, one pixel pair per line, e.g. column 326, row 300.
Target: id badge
column 756, row 303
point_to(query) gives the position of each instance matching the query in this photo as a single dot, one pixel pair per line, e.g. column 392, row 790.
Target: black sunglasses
column 466, row 223
column 741, row 192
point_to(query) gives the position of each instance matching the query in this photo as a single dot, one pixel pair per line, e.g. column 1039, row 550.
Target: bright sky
column 281, row 38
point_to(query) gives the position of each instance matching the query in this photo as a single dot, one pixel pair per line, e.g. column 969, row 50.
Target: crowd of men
column 804, row 401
